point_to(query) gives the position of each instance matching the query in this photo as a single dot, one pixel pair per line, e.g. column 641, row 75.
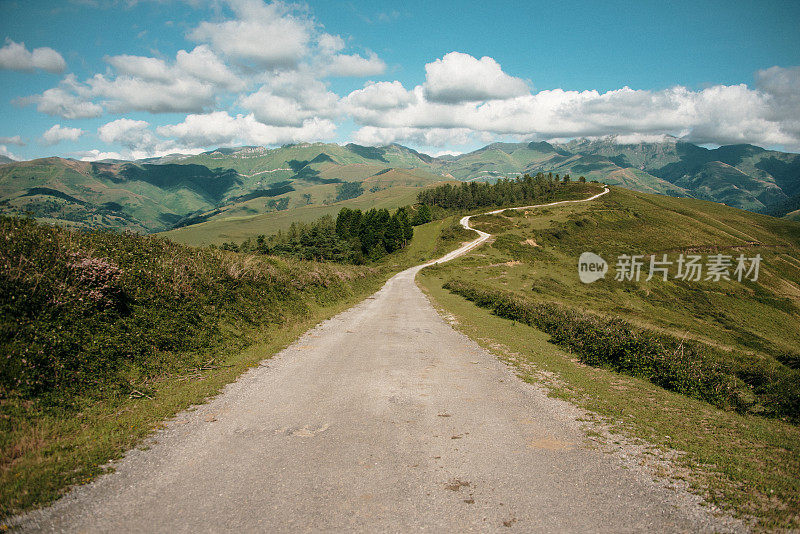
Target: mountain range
column 175, row 191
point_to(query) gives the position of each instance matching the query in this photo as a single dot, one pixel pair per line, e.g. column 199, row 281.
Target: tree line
column 505, row 192
column 353, row 237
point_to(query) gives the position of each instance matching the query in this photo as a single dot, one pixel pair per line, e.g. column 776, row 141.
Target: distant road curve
column 483, row 236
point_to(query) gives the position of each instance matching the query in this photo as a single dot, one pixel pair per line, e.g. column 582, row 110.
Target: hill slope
column 159, row 194
column 238, row 183
column 743, row 176
column 706, row 368
column 105, row 335
column 755, row 317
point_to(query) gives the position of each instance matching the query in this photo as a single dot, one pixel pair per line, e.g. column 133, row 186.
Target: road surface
column 381, row 419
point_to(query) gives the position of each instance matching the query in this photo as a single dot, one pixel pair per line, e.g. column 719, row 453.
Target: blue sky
column 438, row 76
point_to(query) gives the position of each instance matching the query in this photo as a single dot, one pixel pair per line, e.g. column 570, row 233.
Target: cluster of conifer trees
column 353, row 237
column 505, row 192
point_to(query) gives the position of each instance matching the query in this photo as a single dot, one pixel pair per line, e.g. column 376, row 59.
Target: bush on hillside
column 743, row 383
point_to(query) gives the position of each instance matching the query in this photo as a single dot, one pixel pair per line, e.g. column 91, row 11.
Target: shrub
column 86, row 313
column 741, row 382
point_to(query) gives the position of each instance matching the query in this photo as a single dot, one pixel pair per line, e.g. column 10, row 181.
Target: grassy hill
column 708, row 368
column 239, row 222
column 127, row 196
column 759, row 319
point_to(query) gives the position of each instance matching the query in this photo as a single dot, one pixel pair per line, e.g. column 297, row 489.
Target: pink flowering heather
column 99, row 276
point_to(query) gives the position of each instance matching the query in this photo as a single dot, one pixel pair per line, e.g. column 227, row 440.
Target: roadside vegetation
column 104, row 335
column 706, row 368
column 746, row 384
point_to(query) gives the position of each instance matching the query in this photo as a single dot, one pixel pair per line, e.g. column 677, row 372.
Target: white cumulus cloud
column 58, row 133
column 354, row 65
column 330, row 44
column 125, row 93
column 69, row 99
column 291, row 98
column 459, row 77
column 767, row 115
column 133, row 134
column 14, row 140
column 15, row 56
column 269, row 35
column 204, row 65
column 379, row 96
column 97, row 155
column 147, row 68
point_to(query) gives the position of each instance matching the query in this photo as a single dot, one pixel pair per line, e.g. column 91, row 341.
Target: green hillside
column 217, row 231
column 534, row 255
column 159, row 194
column 743, row 176
column 102, row 195
column 710, row 369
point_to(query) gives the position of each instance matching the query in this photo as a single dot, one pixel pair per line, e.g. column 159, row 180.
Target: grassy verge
column 50, row 449
column 747, row 464
column 745, row 383
column 108, row 335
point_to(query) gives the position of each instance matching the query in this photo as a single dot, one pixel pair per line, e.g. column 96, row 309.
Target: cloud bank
column 263, row 76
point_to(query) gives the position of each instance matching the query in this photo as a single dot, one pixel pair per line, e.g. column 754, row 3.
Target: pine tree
column 423, row 214
column 393, row 237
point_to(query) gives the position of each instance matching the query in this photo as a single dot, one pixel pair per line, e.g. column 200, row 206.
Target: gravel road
column 381, row 419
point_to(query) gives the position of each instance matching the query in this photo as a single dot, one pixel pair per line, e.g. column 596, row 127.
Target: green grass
column 748, row 465
column 745, row 383
column 49, row 450
column 107, row 376
column 535, row 256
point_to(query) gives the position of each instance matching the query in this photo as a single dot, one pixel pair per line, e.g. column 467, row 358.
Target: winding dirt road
column 381, row 419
